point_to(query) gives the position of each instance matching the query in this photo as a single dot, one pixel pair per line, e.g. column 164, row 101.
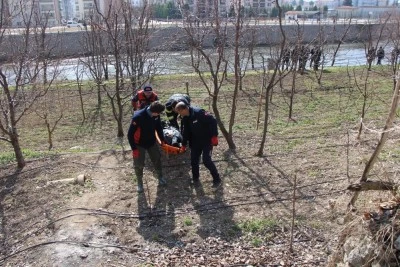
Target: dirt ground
column 106, row 223
column 47, row 221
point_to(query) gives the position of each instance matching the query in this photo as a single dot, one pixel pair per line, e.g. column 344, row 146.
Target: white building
column 49, row 11
column 85, row 8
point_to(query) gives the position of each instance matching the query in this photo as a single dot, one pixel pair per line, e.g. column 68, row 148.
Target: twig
column 293, row 213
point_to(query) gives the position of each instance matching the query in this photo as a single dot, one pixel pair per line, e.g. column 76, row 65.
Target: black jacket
column 198, row 128
column 171, row 114
column 142, row 129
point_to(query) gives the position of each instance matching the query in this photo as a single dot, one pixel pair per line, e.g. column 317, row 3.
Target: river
column 179, row 61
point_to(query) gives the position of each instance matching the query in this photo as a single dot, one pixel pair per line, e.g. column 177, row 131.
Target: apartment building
column 84, row 8
column 50, row 11
column 5, row 13
column 67, row 9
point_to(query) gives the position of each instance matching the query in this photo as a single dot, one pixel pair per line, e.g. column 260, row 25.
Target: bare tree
column 374, row 38
column 271, row 79
column 140, row 62
column 19, row 94
column 317, row 55
column 364, row 89
column 340, row 40
column 95, row 63
column 366, row 93
column 394, row 38
column 383, row 137
column 125, row 52
column 50, row 110
column 212, row 64
column 299, row 52
column 207, row 61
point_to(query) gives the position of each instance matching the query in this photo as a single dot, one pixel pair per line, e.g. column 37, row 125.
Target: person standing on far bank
column 201, row 131
column 142, row 138
column 370, row 56
column 380, row 54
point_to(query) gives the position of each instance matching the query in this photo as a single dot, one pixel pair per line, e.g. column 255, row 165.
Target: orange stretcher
column 170, row 150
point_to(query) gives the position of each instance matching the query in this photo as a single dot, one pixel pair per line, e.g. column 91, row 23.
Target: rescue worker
column 286, row 59
column 142, row 138
column 394, row 55
column 370, row 56
column 304, row 52
column 316, row 57
column 143, row 98
column 172, row 115
column 380, row 54
column 200, row 130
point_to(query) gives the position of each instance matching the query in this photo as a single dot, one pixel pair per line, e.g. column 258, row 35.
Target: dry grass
column 254, row 205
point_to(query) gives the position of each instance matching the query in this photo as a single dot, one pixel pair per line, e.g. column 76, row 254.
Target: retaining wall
column 72, row 44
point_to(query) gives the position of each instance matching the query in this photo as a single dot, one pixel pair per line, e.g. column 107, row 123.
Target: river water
column 179, row 61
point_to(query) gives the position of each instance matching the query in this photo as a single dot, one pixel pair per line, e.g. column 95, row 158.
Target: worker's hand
column 182, row 149
column 214, row 141
column 135, row 153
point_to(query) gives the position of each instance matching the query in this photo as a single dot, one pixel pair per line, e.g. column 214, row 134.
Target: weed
column 256, row 241
column 234, row 230
column 9, row 157
column 90, row 185
column 187, row 221
column 258, row 225
column 155, row 237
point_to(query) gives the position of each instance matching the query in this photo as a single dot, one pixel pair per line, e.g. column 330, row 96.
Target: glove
column 182, row 149
column 214, row 141
column 135, row 153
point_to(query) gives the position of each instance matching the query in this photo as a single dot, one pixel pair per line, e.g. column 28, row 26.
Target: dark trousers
column 195, row 154
column 155, row 157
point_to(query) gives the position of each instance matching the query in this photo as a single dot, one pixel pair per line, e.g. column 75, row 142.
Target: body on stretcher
column 173, row 140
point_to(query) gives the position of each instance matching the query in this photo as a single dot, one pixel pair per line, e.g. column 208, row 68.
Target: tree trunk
column 17, row 150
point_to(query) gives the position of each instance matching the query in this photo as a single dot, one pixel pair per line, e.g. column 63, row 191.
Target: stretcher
column 167, row 148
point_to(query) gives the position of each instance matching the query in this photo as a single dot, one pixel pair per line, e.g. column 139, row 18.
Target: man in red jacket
column 143, row 98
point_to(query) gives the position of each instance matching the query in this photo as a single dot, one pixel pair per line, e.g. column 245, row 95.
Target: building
column 85, row 8
column 50, row 11
column 5, row 14
column 67, row 9
column 20, row 11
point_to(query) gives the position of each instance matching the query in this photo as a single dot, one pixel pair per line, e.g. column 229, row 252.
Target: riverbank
column 73, row 44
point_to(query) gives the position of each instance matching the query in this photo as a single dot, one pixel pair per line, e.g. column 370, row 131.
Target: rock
column 358, row 252
column 76, row 148
column 376, row 264
column 80, row 179
column 83, row 256
column 340, row 221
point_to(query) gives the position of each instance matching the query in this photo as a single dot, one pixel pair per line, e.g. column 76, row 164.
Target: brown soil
column 106, row 223
column 247, row 221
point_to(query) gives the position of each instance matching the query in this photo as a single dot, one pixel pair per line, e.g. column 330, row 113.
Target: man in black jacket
column 200, row 130
column 142, row 138
column 380, row 54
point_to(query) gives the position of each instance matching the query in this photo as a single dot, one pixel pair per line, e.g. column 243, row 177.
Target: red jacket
column 140, row 101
